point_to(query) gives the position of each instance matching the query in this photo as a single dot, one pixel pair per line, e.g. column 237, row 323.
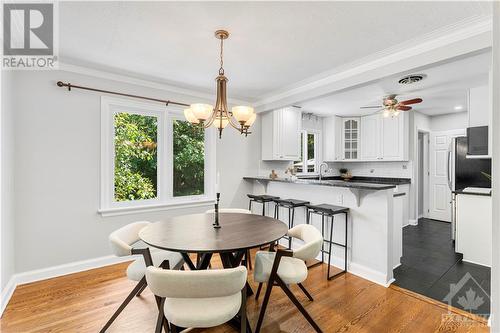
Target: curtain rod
column 70, row 86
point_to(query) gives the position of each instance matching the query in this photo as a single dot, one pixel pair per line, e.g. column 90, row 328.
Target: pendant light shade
column 201, row 111
column 188, row 113
column 242, row 113
column 251, row 120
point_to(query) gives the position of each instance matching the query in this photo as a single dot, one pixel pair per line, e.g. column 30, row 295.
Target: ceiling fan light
column 189, row 115
column 396, row 113
column 251, row 120
column 242, row 113
column 386, row 113
column 201, row 111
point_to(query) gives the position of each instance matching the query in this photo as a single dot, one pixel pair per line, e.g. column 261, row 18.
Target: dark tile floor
column 430, row 266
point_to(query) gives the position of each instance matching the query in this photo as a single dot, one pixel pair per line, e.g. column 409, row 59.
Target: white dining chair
column 285, row 267
column 199, row 299
column 248, row 258
column 122, row 241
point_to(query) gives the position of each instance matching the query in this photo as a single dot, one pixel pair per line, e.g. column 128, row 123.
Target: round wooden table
column 196, row 234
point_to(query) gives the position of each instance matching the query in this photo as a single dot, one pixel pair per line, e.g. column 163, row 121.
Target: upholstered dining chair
column 248, row 257
column 285, row 267
column 198, row 299
column 121, row 242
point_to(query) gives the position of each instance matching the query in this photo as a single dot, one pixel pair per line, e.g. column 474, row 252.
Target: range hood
column 477, row 142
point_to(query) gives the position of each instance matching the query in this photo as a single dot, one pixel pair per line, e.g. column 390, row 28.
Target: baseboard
column 413, row 222
column 7, row 293
column 54, row 271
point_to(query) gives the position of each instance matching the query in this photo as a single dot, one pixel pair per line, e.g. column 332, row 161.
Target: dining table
column 196, row 234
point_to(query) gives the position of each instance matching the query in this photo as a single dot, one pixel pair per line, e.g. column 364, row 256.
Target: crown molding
column 188, row 93
column 456, row 40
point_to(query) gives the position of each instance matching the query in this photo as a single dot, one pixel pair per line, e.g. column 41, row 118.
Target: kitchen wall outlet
column 372, row 170
column 405, row 167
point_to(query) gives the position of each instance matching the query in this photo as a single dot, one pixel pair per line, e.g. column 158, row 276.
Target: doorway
column 422, row 174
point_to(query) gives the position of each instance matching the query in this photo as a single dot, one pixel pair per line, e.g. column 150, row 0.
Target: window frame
column 317, row 151
column 164, row 195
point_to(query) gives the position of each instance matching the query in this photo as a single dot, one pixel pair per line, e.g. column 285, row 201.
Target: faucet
column 320, row 166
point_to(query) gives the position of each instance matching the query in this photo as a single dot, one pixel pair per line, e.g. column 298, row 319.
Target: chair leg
column 264, row 305
column 299, row 306
column 301, row 286
column 243, row 311
column 124, row 304
column 173, row 328
column 161, row 316
column 258, row 291
column 141, row 290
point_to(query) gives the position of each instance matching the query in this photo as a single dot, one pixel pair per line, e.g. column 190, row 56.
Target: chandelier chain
column 221, row 69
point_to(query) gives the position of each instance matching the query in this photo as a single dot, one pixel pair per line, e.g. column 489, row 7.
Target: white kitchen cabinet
column 473, row 228
column 332, row 139
column 479, row 106
column 281, row 134
column 350, row 138
column 370, row 137
column 394, row 138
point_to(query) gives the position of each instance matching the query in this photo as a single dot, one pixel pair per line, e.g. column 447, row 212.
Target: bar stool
column 262, row 199
column 289, row 204
column 326, row 210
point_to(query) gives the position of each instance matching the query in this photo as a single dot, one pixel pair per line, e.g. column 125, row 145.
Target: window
column 152, row 158
column 309, row 152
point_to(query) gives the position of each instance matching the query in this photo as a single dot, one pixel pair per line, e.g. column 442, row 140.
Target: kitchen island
column 374, row 234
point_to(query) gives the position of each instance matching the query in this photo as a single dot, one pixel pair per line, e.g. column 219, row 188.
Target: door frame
column 425, row 182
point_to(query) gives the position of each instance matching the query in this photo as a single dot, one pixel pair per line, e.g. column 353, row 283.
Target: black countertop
column 472, row 193
column 355, row 183
column 364, row 179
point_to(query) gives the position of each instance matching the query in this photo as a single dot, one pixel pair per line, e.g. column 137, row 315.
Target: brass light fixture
column 239, row 117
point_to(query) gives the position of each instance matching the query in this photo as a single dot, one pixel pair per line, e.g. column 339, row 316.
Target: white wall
column 449, row 121
column 7, row 182
column 57, row 136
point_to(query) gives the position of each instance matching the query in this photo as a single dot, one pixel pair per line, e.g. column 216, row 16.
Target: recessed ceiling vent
column 412, row 78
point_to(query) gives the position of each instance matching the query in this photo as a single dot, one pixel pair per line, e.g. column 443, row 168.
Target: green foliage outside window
column 189, row 159
column 135, row 157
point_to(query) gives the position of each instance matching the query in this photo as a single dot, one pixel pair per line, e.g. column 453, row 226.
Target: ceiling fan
column 391, row 106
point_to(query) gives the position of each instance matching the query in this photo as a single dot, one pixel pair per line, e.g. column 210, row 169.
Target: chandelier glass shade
column 239, row 117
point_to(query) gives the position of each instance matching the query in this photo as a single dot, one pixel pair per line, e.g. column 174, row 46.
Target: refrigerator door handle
column 448, row 171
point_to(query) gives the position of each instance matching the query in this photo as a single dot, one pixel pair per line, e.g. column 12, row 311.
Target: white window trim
column 165, row 198
column 317, row 151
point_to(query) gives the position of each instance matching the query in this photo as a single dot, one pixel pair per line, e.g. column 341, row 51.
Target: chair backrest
column 230, row 210
column 196, row 284
column 122, row 239
column 312, row 239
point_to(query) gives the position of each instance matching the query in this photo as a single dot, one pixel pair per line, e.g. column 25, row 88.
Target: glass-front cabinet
column 350, row 138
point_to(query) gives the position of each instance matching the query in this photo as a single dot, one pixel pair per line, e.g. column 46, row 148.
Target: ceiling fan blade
column 411, row 101
column 371, row 107
column 404, row 108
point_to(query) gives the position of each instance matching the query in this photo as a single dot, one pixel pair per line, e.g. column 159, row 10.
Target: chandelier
column 239, row 117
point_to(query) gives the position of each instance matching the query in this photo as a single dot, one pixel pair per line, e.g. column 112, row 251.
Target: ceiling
column 444, row 88
column 272, row 44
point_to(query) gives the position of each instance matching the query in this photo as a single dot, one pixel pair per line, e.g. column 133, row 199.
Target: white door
column 439, row 192
column 370, row 142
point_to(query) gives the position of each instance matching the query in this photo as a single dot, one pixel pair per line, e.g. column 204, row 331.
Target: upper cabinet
column 479, row 131
column 350, row 138
column 281, row 134
column 332, row 139
column 368, row 138
column 479, row 106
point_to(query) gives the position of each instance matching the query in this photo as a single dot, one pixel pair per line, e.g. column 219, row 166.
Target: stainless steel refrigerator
column 465, row 172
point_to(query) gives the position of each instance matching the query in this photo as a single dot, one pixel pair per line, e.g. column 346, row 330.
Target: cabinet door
column 289, row 134
column 370, row 137
column 350, row 138
column 332, row 131
column 392, row 138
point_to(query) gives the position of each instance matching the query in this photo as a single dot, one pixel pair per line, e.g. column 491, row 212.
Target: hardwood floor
column 83, row 302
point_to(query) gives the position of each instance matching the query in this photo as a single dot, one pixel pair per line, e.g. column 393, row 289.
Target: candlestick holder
column 216, row 214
